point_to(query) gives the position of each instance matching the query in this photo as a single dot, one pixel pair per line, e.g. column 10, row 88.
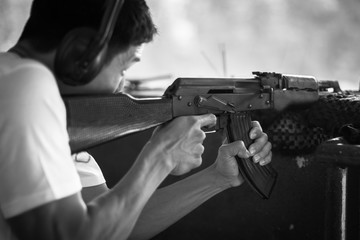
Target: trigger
column 207, row 129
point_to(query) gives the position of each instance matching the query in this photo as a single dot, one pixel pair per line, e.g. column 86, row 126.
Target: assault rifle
column 97, row 119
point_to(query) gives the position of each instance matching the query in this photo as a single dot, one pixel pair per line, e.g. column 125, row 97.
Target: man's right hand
column 182, row 141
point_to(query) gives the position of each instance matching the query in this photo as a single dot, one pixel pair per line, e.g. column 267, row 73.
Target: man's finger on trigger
column 208, row 120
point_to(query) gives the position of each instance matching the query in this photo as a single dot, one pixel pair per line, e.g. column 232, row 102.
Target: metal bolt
column 200, row 100
column 180, row 97
column 267, row 102
column 250, row 106
column 189, row 104
column 261, row 95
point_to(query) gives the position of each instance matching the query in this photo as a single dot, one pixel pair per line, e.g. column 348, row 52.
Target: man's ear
column 81, row 54
column 78, row 59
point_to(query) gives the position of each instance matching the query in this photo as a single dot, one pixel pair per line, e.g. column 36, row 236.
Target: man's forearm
column 123, row 204
column 110, row 216
column 171, row 203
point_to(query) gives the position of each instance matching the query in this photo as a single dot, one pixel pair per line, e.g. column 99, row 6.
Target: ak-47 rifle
column 98, row 119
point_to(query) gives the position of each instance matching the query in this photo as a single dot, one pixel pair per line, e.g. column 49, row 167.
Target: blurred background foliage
column 233, row 38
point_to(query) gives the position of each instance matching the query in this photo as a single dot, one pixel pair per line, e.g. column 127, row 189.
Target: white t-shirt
column 88, row 170
column 36, row 166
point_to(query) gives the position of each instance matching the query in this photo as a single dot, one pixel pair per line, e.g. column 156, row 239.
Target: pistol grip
column 261, row 178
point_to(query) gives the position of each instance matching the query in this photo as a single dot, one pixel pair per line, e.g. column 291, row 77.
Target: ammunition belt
column 302, row 131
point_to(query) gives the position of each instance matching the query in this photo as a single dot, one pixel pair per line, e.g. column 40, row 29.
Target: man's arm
column 113, row 215
column 171, row 203
column 89, row 193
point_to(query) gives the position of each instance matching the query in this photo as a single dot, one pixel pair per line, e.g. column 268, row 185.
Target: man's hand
column 260, row 150
column 182, row 141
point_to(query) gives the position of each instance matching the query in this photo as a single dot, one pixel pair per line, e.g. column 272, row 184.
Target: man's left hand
column 259, row 150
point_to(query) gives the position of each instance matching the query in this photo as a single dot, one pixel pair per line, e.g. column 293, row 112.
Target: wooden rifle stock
column 93, row 120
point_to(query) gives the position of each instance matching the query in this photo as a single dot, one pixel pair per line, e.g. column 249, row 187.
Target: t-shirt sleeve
column 88, row 170
column 36, row 166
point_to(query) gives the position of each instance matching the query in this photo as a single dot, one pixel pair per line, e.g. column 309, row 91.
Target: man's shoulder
column 31, row 71
column 26, row 77
column 22, row 69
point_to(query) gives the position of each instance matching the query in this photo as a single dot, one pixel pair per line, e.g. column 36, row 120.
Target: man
column 39, row 183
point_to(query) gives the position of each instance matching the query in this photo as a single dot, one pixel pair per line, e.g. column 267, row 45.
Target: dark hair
column 51, row 20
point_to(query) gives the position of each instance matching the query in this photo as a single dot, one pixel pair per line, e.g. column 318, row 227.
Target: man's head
column 51, row 20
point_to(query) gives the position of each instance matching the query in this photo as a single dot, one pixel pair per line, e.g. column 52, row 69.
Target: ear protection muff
column 81, row 54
